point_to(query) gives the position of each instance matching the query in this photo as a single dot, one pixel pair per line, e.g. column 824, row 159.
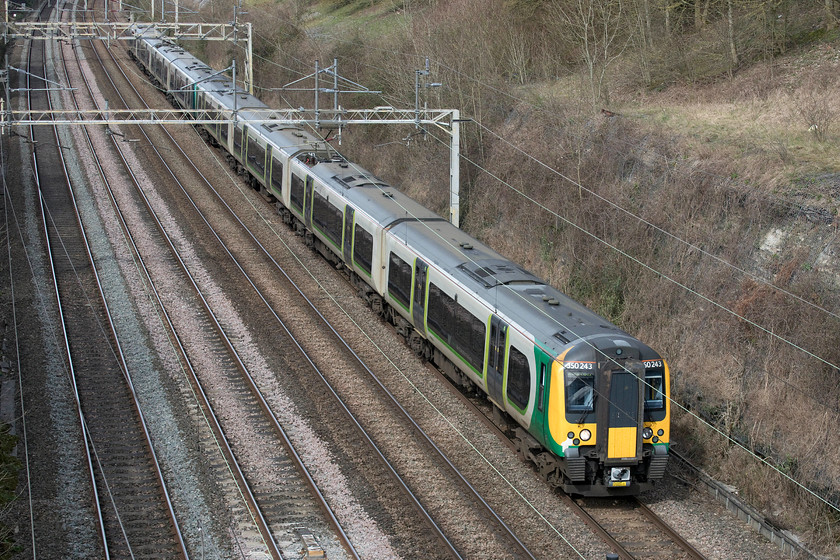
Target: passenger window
column 363, row 248
column 237, row 140
column 256, row 156
column 296, row 193
column 328, row 218
column 519, row 379
column 457, row 327
column 399, row 280
column 276, row 174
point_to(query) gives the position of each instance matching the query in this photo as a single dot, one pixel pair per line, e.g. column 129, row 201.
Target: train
column 588, row 404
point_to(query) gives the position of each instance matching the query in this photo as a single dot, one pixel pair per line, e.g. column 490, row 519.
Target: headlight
column 585, row 435
column 646, row 433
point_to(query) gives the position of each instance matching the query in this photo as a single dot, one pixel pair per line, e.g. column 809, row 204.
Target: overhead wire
column 705, row 298
column 659, row 229
column 723, row 307
column 689, row 244
column 403, row 374
column 663, row 275
column 655, row 227
column 682, row 286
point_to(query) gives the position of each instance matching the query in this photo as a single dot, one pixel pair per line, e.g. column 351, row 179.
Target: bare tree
column 644, row 22
column 700, row 13
column 644, row 41
column 598, row 29
column 730, row 27
column 832, row 10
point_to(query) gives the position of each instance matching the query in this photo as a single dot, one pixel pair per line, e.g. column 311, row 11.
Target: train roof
column 517, row 295
column 288, row 137
column 382, row 202
column 213, row 81
column 520, row 297
column 292, row 139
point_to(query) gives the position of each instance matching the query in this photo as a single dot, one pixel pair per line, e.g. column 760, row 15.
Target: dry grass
column 778, row 120
column 717, row 165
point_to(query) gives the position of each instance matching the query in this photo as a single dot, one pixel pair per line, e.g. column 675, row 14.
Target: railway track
column 314, row 400
column 633, row 530
column 131, row 504
column 251, row 492
column 234, row 392
column 627, row 526
column 391, row 496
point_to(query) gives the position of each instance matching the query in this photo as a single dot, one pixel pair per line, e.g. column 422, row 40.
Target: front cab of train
column 608, row 417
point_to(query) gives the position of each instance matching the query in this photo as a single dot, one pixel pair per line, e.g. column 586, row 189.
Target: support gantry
column 446, row 120
column 122, row 31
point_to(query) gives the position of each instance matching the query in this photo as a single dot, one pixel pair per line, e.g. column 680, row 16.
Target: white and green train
column 590, row 400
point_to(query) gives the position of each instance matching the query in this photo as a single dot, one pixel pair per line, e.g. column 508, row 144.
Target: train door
column 237, row 141
column 349, row 213
column 418, row 302
column 496, row 359
column 621, row 420
column 310, row 200
column 194, row 99
column 246, row 132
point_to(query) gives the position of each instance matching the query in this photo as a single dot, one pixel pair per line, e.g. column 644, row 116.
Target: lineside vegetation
column 673, row 165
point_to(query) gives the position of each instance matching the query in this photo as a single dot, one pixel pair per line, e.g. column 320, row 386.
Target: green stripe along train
column 590, row 401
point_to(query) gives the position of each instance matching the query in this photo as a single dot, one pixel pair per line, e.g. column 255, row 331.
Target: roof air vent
column 562, row 336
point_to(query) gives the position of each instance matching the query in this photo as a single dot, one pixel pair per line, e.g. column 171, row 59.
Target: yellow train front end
column 608, row 418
